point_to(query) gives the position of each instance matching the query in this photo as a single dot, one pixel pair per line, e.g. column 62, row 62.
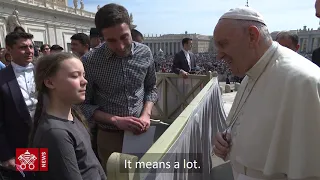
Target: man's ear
column 8, row 48
column 254, row 35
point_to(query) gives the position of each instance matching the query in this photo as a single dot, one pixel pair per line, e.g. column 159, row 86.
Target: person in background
column 80, row 44
column 55, row 49
column 95, row 42
column 288, row 39
column 316, row 53
column 316, row 57
column 121, row 89
column 228, row 80
column 317, row 7
column 184, row 61
column 275, row 116
column 17, row 101
column 95, row 39
column 136, row 36
column 36, row 54
column 21, row 29
column 36, row 51
column 45, row 49
column 58, row 125
column 2, row 66
column 2, row 59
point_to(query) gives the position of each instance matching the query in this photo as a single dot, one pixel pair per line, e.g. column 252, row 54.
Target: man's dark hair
column 12, row 38
column 185, row 41
column 287, row 34
column 19, row 29
column 111, row 15
column 82, row 38
column 44, row 46
column 56, row 47
column 135, row 33
column 94, row 33
column 36, row 51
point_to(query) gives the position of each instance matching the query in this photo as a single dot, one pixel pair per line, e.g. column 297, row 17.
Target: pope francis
column 275, row 118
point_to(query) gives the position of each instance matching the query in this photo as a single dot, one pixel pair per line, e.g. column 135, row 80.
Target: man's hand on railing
column 184, row 74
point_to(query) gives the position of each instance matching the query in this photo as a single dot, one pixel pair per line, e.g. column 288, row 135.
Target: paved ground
column 228, row 97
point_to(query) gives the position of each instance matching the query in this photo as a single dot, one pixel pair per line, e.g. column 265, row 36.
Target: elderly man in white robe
column 274, row 125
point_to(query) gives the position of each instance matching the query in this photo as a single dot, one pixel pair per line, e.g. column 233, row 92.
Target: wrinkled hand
column 145, row 120
column 130, row 123
column 10, row 164
column 184, row 74
column 222, row 146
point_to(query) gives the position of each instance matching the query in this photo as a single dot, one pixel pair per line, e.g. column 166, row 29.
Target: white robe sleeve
column 295, row 145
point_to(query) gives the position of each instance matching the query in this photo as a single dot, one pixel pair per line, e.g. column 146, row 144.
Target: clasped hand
column 133, row 124
column 9, row 164
column 221, row 144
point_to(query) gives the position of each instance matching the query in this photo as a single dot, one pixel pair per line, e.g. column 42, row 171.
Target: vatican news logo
column 31, row 159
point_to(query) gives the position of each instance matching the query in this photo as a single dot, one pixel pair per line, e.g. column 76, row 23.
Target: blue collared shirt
column 2, row 66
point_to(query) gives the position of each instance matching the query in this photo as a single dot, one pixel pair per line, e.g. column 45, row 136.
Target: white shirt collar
column 18, row 68
column 185, row 51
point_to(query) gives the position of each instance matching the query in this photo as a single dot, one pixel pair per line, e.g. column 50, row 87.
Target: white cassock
column 277, row 119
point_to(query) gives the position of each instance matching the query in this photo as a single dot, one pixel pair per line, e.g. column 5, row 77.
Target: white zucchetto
column 243, row 13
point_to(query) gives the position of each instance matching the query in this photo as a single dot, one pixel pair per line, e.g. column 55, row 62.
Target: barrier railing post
column 118, row 166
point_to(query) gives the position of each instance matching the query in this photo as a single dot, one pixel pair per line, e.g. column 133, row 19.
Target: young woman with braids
column 58, row 126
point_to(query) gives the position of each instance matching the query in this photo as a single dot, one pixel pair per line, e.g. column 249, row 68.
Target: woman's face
column 69, row 83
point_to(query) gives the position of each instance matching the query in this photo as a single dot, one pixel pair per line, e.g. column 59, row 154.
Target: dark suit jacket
column 180, row 62
column 316, row 57
column 15, row 120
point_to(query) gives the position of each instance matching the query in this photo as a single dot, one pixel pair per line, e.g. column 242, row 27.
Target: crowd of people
column 80, row 44
column 205, row 61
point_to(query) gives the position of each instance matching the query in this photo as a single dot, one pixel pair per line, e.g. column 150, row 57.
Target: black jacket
column 180, row 62
column 316, row 57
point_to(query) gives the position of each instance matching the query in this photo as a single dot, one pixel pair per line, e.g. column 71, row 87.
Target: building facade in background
column 51, row 22
column 171, row 44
